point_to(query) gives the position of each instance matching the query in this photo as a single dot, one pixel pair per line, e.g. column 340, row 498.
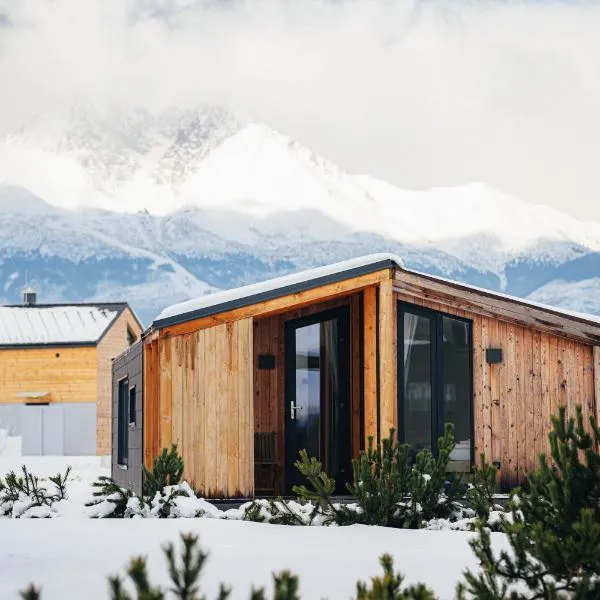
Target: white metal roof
column 55, row 324
column 228, row 299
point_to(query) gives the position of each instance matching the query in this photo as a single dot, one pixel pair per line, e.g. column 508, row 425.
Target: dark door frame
column 437, row 362
column 343, row 313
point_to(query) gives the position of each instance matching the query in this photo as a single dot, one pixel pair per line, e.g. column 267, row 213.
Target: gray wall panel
column 31, row 430
column 80, row 429
column 130, row 365
column 53, row 430
column 10, row 418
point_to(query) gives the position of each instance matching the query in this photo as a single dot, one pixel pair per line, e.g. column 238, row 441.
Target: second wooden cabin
column 242, row 380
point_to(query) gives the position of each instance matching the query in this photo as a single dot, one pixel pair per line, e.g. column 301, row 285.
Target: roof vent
column 29, row 297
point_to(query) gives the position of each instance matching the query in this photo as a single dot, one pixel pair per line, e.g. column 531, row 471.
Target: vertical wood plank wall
column 513, row 401
column 199, row 395
column 370, row 363
column 387, row 359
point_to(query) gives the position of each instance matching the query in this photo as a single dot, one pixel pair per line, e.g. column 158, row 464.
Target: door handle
column 293, row 409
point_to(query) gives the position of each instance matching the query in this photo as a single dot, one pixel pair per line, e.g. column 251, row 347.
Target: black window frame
column 437, row 375
column 123, row 422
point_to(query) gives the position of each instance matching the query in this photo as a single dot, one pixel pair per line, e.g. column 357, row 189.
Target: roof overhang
column 276, row 292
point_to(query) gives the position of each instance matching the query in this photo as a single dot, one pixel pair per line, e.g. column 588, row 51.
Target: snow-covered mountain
column 158, row 208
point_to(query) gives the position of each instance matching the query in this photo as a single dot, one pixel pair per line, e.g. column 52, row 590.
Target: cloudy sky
column 429, row 93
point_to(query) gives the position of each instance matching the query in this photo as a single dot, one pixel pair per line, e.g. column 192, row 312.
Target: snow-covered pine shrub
column 553, row 526
column 179, row 501
column 280, row 512
column 26, row 495
column 112, row 501
column 167, row 470
column 175, row 501
column 186, row 569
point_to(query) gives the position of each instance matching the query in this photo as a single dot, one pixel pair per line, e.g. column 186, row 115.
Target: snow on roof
column 302, row 280
column 55, row 324
column 501, row 296
column 243, row 296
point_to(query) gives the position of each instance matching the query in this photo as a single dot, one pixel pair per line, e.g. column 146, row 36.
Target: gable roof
column 584, row 325
column 57, row 324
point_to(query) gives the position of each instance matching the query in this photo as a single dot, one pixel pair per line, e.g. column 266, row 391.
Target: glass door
column 317, row 394
column 435, row 379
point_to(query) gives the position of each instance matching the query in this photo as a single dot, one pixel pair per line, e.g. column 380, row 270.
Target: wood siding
column 204, row 391
column 68, row 374
column 513, row 400
column 110, row 346
column 198, row 395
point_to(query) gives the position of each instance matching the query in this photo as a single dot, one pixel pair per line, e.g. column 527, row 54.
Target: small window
column 131, row 337
column 132, row 405
column 122, row 423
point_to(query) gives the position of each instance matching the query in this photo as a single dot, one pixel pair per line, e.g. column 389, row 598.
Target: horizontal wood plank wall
column 269, row 394
column 513, row 401
column 205, row 406
column 68, row 374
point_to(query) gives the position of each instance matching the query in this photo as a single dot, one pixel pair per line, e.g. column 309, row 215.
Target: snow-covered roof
column 56, row 324
column 211, row 304
column 501, row 296
column 280, row 286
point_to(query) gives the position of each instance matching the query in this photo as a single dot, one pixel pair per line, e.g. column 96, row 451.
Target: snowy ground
column 74, row 553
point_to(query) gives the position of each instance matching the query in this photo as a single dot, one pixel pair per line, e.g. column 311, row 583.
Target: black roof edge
column 121, row 305
column 49, row 345
column 294, row 288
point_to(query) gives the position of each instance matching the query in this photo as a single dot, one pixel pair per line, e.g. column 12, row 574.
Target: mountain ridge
column 158, row 209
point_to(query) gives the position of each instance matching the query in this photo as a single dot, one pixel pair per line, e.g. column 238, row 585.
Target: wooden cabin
column 55, row 373
column 243, row 379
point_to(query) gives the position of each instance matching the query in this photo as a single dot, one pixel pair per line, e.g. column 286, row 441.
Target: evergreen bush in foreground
column 394, row 488
column 28, row 495
column 553, row 529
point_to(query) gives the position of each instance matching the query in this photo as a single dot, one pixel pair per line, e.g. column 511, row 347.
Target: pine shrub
column 167, row 470
column 389, row 587
column 110, row 499
column 553, row 529
column 19, row 494
column 391, row 487
column 481, row 489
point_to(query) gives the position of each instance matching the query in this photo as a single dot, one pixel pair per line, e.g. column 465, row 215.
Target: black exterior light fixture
column 493, row 356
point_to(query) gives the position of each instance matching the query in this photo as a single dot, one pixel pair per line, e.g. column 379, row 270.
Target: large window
column 123, row 423
column 434, row 379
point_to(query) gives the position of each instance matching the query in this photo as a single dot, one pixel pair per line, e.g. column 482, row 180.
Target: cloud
column 422, row 94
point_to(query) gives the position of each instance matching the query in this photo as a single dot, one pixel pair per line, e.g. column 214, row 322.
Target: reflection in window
column 417, row 380
column 436, row 379
column 457, row 384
